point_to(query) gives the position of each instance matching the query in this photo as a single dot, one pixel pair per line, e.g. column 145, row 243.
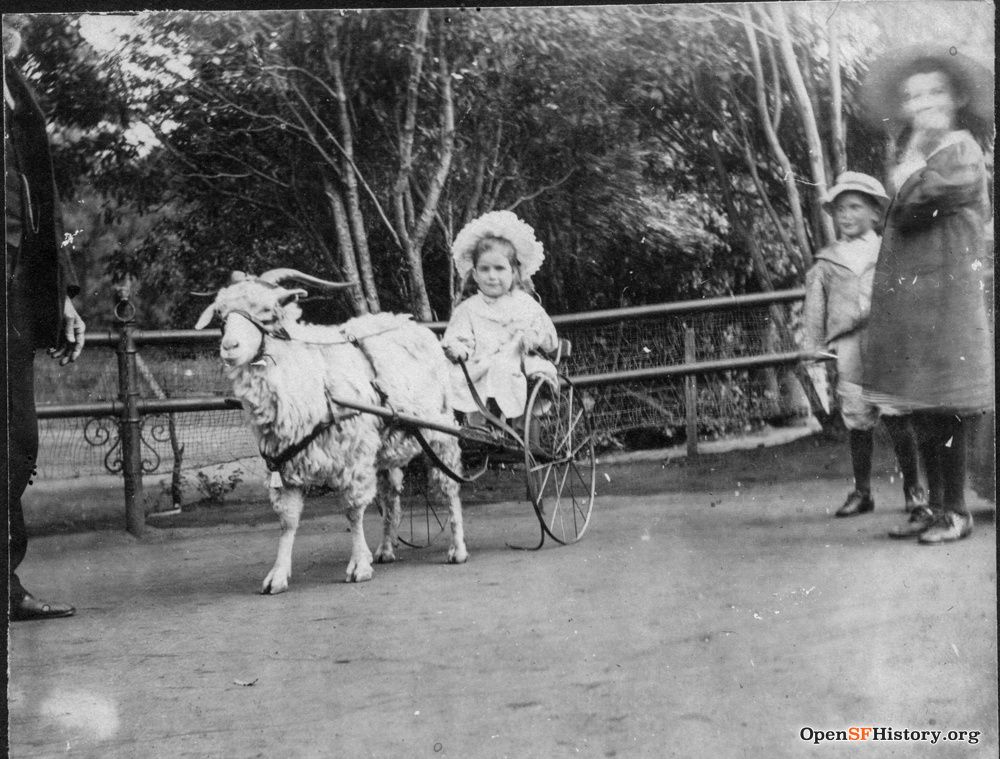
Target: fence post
column 129, row 423
column 691, row 394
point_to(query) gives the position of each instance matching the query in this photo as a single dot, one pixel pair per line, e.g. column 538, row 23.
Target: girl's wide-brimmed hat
column 880, row 94
column 507, row 225
column 855, row 181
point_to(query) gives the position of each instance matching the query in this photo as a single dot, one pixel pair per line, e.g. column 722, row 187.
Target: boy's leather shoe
column 921, row 518
column 856, row 503
column 947, row 527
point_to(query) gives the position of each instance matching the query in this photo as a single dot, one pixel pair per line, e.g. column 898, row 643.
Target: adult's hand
column 73, row 335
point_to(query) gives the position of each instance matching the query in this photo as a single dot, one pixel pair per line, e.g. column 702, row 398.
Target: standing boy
column 838, row 300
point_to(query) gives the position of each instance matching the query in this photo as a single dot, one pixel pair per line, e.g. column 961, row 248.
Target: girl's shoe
column 921, row 518
column 947, row 527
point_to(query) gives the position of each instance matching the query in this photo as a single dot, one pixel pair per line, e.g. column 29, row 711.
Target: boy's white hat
column 855, row 181
column 507, row 225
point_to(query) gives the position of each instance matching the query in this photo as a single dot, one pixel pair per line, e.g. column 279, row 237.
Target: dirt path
column 694, row 622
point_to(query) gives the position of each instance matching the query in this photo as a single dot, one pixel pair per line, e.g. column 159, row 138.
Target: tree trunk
column 418, row 290
column 176, row 447
column 770, row 131
column 763, row 275
column 345, row 244
column 750, row 159
column 472, row 205
column 806, row 113
column 354, row 215
column 836, row 104
column 447, row 147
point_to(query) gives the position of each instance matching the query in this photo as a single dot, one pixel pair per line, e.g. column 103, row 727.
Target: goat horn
column 274, row 276
column 238, row 276
column 201, row 295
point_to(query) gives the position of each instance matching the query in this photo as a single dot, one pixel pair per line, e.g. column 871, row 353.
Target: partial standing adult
column 929, row 349
column 40, row 313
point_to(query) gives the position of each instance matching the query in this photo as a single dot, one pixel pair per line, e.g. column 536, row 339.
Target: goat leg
column 288, row 503
column 390, row 485
column 444, row 490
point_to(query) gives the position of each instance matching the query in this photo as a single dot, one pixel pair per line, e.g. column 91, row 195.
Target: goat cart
column 553, row 444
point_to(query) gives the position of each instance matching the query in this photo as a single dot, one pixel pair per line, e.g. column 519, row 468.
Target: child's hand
column 530, row 340
column 456, row 353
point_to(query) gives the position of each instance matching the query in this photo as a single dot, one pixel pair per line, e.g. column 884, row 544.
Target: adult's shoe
column 29, row 607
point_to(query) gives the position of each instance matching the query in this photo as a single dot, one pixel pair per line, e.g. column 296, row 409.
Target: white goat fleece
column 286, row 392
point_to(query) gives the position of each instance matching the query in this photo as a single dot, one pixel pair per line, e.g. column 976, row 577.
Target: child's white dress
column 490, row 329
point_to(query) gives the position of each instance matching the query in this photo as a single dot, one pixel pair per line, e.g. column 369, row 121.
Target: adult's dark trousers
column 22, row 425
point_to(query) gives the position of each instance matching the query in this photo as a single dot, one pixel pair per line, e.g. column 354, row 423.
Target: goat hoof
column 273, row 584
column 360, row 573
column 456, row 556
column 385, row 555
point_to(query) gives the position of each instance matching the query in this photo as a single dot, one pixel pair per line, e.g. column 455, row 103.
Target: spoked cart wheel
column 421, row 521
column 559, row 463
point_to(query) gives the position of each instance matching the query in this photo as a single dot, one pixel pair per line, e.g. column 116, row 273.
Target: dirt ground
column 714, row 609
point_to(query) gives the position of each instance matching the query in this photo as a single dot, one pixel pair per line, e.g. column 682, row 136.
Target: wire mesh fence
column 726, row 401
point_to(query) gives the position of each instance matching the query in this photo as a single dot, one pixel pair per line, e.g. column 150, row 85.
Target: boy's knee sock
column 904, row 442
column 861, row 459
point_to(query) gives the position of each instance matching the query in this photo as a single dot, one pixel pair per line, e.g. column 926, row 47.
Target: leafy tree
column 689, row 141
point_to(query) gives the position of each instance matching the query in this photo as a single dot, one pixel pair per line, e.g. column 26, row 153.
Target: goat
column 286, row 375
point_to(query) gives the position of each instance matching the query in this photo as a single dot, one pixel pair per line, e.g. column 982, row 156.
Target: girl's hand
column 530, row 340
column 925, row 140
column 456, row 353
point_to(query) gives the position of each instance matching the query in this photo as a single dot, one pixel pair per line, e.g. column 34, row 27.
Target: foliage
column 206, row 142
column 214, row 487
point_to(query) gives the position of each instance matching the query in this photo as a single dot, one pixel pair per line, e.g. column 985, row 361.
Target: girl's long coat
column 929, row 345
column 492, row 330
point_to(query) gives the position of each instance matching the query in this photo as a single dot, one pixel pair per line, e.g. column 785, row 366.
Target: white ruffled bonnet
column 507, row 225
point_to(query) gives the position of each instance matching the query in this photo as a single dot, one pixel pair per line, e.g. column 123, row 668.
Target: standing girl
column 500, row 329
column 929, row 349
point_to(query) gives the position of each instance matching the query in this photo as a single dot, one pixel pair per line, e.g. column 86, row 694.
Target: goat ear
column 205, row 318
column 292, row 295
column 238, row 276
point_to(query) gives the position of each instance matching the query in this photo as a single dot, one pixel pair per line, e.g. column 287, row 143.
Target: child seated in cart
column 499, row 330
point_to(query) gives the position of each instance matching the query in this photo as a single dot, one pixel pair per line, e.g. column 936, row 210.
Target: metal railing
column 129, row 408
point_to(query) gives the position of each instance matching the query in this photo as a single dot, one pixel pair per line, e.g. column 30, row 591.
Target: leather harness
column 276, row 462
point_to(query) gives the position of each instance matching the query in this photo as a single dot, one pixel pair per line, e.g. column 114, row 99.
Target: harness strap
column 274, row 463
